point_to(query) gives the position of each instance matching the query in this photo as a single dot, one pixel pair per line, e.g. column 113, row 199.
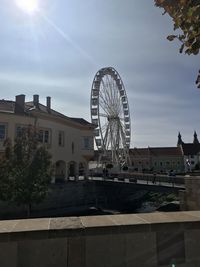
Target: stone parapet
column 191, row 197
column 139, row 240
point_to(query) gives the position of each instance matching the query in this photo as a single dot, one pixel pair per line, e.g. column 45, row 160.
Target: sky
column 57, row 51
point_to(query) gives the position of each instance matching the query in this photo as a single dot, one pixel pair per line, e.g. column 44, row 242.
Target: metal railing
column 143, row 178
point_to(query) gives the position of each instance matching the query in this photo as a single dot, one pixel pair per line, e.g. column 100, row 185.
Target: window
column 20, row 129
column 2, row 132
column 87, row 143
column 61, row 138
column 44, row 136
column 160, row 163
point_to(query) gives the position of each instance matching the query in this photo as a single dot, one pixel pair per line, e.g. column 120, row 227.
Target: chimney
column 36, row 100
column 19, row 104
column 49, row 104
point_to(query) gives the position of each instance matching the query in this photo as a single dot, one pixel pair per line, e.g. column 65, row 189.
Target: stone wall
column 190, row 198
column 75, row 197
column 62, row 197
column 145, row 240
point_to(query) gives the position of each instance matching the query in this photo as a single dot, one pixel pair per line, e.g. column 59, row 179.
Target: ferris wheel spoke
column 115, row 89
column 106, row 92
column 109, row 89
column 103, row 115
column 104, row 127
column 116, row 93
column 104, row 106
column 111, row 81
column 123, row 127
column 117, row 100
column 106, row 137
column 113, row 96
column 112, row 90
column 103, row 99
column 119, row 104
column 118, row 107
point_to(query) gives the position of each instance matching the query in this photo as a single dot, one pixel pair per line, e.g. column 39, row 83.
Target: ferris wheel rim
column 119, row 94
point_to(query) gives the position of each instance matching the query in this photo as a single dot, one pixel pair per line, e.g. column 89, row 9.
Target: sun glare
column 28, row 6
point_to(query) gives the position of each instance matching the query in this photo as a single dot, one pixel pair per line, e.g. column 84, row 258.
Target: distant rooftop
column 8, row 106
column 156, row 151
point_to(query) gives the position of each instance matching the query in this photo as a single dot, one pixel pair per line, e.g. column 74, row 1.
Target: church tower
column 180, row 142
column 195, row 141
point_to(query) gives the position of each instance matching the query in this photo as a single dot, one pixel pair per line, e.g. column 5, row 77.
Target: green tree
column 5, row 167
column 186, row 19
column 25, row 170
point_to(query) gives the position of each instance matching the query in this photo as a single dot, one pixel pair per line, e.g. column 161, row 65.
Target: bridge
column 162, row 183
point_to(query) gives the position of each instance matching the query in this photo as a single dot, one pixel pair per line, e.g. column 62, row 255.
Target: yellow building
column 69, row 140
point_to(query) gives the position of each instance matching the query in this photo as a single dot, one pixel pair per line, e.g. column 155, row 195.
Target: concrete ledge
column 70, row 224
column 143, row 240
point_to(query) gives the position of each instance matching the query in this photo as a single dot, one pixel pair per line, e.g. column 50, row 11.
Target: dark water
column 146, row 207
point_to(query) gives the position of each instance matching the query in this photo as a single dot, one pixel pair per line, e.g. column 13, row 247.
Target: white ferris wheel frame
column 110, row 113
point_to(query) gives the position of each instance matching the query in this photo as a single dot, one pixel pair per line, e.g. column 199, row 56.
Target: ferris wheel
column 110, row 113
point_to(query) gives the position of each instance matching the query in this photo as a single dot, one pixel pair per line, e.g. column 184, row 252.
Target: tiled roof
column 42, row 108
column 8, row 106
column 190, row 148
column 156, row 151
column 137, row 152
column 165, row 151
column 29, row 106
column 81, row 121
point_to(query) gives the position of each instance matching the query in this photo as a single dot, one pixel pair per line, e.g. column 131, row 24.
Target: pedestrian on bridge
column 154, row 178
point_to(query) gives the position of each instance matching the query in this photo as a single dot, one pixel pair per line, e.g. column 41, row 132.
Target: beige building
column 69, row 140
column 159, row 159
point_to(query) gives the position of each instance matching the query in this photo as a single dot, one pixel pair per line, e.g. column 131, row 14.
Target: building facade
column 68, row 140
column 158, row 159
column 191, row 153
column 185, row 157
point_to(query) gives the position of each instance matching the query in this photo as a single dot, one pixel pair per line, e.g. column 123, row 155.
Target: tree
column 186, row 18
column 25, row 170
column 5, row 167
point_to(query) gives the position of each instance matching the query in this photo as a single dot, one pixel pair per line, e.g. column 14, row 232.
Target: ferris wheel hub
column 113, row 118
